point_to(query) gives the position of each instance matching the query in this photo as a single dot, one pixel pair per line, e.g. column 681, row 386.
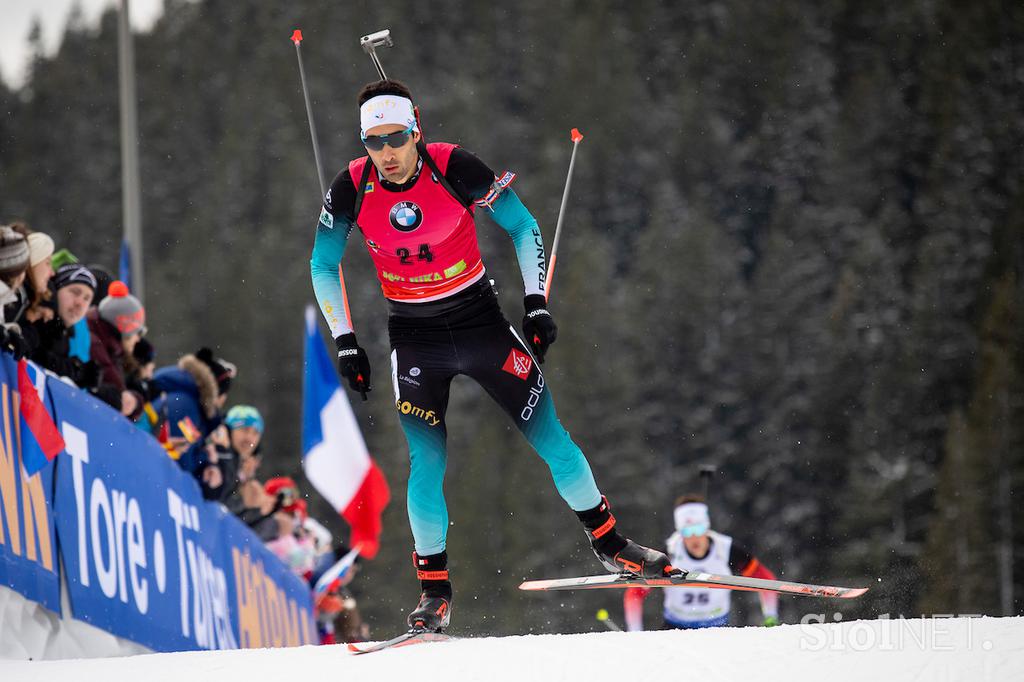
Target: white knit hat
column 40, row 248
column 14, row 253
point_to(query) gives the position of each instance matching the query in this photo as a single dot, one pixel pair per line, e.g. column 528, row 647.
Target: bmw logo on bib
column 405, row 216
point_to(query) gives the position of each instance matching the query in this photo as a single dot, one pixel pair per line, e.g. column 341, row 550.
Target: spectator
column 35, row 291
column 140, row 368
column 271, row 509
column 294, row 545
column 335, row 609
column 61, row 258
column 51, row 338
column 238, row 452
column 115, row 327
column 14, row 259
column 80, row 339
column 194, row 392
column 37, row 281
column 289, row 507
column 257, row 510
column 103, row 281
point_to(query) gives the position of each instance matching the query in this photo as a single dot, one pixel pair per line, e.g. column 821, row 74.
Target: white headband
column 692, row 514
column 386, row 109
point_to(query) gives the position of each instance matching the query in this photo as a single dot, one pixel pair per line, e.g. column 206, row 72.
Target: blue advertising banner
column 147, row 559
column 28, row 548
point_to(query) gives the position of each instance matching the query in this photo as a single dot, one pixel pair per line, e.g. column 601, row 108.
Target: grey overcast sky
column 16, row 19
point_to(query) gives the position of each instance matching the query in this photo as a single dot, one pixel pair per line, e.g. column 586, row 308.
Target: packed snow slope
column 974, row 649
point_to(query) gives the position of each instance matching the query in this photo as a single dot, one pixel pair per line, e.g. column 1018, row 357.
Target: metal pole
column 577, row 136
column 131, row 205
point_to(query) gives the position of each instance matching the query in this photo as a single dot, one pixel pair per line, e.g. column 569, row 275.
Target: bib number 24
column 424, row 254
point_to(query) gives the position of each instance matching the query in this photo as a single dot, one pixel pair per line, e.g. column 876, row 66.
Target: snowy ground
column 935, row 650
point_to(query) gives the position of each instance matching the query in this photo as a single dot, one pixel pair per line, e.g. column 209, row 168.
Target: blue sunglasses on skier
column 393, row 140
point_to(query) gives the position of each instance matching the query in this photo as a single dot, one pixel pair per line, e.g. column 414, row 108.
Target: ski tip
column 353, row 648
column 297, row 36
column 576, row 135
column 854, row 592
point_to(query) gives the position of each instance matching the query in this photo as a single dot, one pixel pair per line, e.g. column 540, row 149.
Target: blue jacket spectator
column 194, row 391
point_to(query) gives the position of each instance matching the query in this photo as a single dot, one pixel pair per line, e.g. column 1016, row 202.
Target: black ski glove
column 14, row 343
column 353, row 363
column 538, row 326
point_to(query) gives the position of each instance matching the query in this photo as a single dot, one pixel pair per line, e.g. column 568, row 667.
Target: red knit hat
column 284, row 485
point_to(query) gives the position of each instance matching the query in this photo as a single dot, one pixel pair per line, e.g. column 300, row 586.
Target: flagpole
column 131, row 202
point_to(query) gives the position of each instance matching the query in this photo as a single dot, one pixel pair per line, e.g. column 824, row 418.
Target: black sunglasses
column 393, row 140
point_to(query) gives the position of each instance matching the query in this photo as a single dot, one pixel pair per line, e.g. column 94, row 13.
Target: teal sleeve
column 513, row 217
column 328, row 248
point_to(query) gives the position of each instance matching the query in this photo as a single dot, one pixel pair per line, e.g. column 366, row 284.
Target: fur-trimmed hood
column 205, row 382
column 194, row 376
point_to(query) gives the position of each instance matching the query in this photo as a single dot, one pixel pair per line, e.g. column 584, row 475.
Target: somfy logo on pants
column 405, row 216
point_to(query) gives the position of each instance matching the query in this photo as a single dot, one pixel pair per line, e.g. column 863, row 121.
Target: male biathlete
column 696, row 548
column 414, row 205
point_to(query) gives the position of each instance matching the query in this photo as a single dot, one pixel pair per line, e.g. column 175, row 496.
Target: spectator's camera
column 287, row 496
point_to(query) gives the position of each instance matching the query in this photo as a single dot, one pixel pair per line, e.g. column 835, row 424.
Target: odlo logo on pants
column 534, row 398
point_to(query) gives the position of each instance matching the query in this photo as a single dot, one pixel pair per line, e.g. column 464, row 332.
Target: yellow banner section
column 266, row 617
column 35, row 532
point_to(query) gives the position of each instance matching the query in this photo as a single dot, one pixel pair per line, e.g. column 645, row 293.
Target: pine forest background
column 793, row 251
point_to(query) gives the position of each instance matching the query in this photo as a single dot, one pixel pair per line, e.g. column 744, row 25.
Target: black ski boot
column 619, row 554
column 435, row 608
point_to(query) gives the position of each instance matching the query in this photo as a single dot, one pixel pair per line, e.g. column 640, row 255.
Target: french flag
column 334, row 455
column 41, row 442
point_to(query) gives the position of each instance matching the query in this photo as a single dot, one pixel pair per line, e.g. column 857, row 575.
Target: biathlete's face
column 396, row 164
column 697, row 545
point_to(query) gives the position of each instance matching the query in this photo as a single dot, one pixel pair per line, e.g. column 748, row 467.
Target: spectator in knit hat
column 115, row 327
column 80, row 339
column 51, row 337
column 238, row 452
column 270, row 509
column 140, row 368
column 103, row 281
column 194, row 392
column 14, row 258
column 40, row 272
column 36, row 291
column 61, row 258
column 295, row 546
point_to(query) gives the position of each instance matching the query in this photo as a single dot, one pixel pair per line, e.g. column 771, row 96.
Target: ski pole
column 602, row 615
column 297, row 39
column 706, row 472
column 371, row 42
column 577, row 136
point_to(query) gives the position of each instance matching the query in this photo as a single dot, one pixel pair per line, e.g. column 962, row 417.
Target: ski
column 404, row 639
column 695, row 579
